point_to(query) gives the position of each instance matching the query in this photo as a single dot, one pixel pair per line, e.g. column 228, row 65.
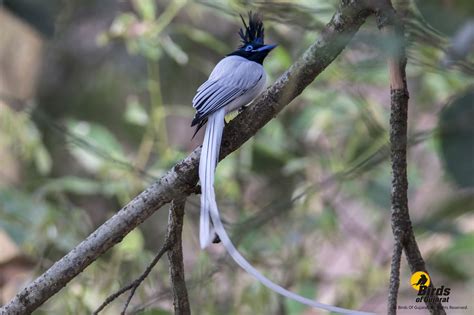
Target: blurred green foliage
column 307, row 199
column 457, row 138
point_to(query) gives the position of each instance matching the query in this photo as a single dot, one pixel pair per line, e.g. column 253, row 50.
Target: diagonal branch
column 182, row 178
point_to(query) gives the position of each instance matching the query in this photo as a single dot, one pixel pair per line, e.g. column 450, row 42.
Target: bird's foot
column 241, row 109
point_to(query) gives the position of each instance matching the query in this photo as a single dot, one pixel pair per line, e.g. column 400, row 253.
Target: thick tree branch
column 402, row 229
column 182, row 178
column 175, row 257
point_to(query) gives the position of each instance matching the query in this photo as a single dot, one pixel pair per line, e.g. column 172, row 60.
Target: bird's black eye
column 249, row 48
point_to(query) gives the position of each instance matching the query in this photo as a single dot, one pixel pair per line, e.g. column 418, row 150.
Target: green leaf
column 135, row 113
column 146, row 9
column 174, row 50
column 21, row 214
column 122, row 24
column 97, row 145
column 42, row 160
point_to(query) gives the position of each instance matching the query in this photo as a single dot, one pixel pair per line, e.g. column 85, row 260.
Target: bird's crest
column 253, row 32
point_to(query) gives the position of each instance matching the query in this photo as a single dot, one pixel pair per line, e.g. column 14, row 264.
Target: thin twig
column 198, row 281
column 175, row 257
column 135, row 284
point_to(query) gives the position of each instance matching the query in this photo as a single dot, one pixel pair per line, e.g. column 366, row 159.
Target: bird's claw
column 241, row 109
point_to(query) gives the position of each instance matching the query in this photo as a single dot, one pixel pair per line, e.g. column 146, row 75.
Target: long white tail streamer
column 209, row 210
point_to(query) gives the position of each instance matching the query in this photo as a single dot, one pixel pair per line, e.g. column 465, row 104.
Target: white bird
column 235, row 82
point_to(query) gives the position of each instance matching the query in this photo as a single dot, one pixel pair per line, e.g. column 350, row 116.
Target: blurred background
column 95, row 104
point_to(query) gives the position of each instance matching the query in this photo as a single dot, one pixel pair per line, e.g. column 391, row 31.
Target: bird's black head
column 252, row 46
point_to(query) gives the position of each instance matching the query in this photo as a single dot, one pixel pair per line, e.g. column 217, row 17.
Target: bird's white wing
column 233, row 78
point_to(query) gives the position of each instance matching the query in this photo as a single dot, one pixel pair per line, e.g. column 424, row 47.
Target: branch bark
column 404, row 237
column 175, row 257
column 182, row 178
column 400, row 218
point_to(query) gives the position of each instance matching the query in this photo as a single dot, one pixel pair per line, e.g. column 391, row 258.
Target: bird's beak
column 267, row 48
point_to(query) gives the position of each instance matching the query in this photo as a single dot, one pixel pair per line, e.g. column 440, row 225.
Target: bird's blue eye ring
column 249, row 48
